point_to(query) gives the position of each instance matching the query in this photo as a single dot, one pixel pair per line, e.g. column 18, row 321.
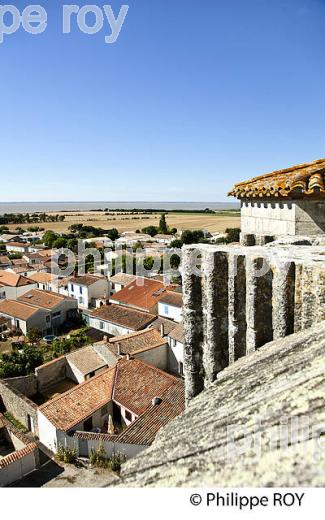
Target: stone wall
column 51, row 373
column 261, row 424
column 241, row 299
column 265, row 218
column 13, row 401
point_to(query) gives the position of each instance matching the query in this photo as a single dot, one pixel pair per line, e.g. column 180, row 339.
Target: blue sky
column 193, row 97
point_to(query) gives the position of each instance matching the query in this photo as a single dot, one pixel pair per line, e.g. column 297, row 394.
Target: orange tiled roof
column 123, row 316
column 137, row 383
column 142, row 294
column 28, row 446
column 41, row 277
column 307, row 180
column 14, row 280
column 44, row 299
column 172, row 298
column 131, row 383
column 137, row 342
column 87, row 279
column 15, row 309
column 144, row 429
column 75, row 405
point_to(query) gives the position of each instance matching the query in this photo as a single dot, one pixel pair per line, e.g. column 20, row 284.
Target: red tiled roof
column 14, row 280
column 132, row 384
column 123, row 316
column 137, row 383
column 307, row 180
column 172, row 298
column 142, row 293
column 143, row 430
column 19, row 454
column 87, row 279
column 75, row 405
column 137, row 342
column 15, row 309
column 44, row 299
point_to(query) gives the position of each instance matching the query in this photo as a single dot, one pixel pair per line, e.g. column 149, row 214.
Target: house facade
column 117, row 320
column 87, row 288
column 13, row 285
column 170, row 306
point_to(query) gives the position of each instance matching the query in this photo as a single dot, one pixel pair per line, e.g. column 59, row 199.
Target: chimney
column 162, row 330
column 119, row 350
column 128, row 357
column 156, row 401
column 105, row 338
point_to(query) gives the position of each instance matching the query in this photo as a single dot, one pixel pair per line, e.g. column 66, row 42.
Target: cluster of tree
column 61, row 346
column 77, row 231
column 157, row 210
column 233, row 235
column 26, row 218
column 35, row 229
column 163, row 228
column 82, row 231
column 20, row 362
column 189, row 237
column 147, row 262
column 23, row 361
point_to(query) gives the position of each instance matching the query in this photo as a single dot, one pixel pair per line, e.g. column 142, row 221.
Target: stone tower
column 288, row 202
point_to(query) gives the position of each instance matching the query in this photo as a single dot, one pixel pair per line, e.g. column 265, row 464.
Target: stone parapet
column 237, row 299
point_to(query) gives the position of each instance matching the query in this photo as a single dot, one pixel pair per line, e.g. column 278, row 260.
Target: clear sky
column 194, row 96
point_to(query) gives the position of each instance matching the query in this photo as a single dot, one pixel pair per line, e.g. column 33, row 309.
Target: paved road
column 52, row 474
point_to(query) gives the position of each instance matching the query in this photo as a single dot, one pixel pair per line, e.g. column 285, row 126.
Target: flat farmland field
column 217, row 222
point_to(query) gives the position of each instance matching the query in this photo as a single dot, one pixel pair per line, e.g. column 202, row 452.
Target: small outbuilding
column 285, row 202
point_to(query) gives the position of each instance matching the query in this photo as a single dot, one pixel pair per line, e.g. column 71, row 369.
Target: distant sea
column 33, row 207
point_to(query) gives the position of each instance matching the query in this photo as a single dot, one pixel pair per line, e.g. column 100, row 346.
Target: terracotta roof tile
column 172, row 298
column 123, row 316
column 143, row 294
column 137, row 342
column 86, row 279
column 44, row 299
column 41, row 277
column 21, row 311
column 178, row 333
column 307, row 180
column 122, row 278
column 14, row 280
column 144, row 430
column 86, row 360
column 137, row 383
column 75, row 405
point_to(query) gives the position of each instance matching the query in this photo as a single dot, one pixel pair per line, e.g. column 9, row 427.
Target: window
column 80, row 290
column 56, row 314
column 101, row 325
column 88, row 425
column 128, row 415
column 72, row 287
column 48, row 319
column 166, row 309
column 80, row 300
column 181, row 369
